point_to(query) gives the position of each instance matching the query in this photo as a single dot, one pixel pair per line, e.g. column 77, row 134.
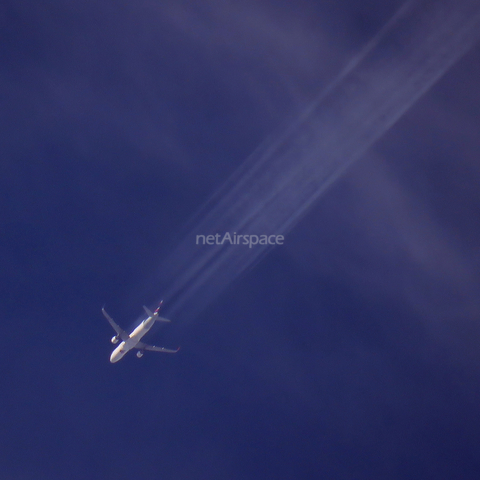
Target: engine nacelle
column 139, row 354
column 114, row 340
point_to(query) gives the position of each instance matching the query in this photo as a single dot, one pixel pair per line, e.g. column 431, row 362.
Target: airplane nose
column 114, row 357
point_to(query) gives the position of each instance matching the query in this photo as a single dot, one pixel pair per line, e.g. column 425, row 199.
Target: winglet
column 107, row 316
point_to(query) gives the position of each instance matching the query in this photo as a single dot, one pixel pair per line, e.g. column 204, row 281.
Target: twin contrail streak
column 280, row 181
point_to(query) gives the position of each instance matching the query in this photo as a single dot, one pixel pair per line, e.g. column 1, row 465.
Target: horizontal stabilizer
column 148, row 311
column 151, row 314
column 162, row 319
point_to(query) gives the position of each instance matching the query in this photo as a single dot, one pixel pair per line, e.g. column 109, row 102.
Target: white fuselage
column 132, row 341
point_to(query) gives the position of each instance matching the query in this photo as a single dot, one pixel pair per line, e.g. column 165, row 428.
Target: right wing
column 121, row 333
column 153, row 348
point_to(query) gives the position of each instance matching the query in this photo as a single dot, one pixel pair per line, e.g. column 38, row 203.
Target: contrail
column 281, row 180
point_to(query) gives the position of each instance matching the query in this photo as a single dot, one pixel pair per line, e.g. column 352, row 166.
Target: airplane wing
column 121, row 333
column 153, row 348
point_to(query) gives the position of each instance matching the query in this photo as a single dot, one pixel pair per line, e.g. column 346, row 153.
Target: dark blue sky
column 351, row 352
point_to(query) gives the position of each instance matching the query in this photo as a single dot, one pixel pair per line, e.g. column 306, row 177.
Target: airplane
column 133, row 341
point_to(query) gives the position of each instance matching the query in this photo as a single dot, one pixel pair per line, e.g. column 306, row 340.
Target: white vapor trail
column 281, row 180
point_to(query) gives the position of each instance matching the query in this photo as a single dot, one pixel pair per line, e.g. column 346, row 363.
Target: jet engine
column 114, row 340
column 139, row 354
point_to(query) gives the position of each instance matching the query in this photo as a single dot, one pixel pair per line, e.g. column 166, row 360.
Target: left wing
column 121, row 333
column 153, row 348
